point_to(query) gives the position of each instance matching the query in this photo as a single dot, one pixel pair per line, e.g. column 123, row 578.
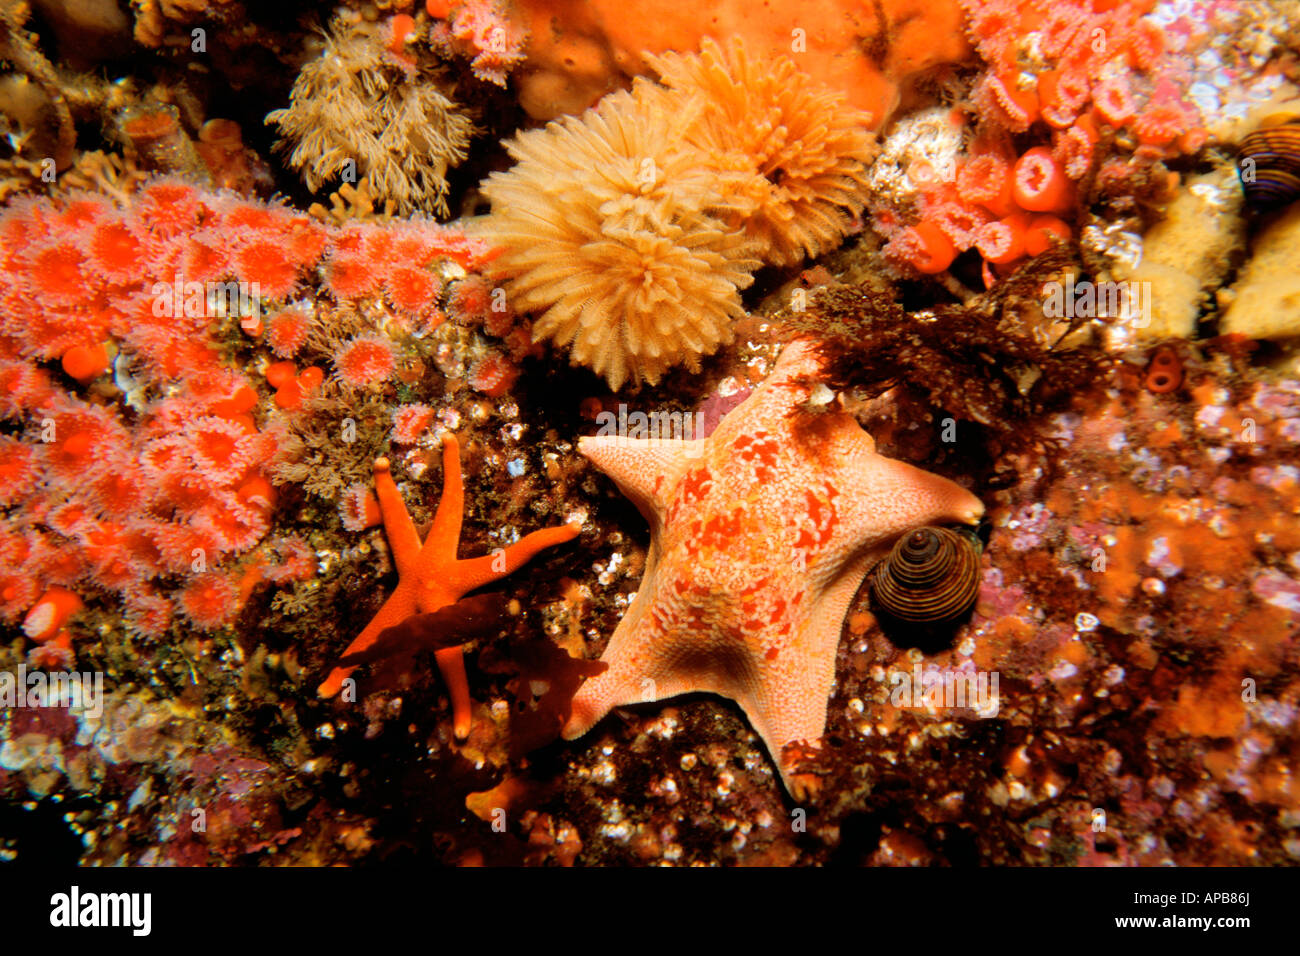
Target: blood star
column 431, row 577
column 760, row 535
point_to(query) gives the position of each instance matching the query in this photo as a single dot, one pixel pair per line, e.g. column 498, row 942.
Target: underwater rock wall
column 255, row 264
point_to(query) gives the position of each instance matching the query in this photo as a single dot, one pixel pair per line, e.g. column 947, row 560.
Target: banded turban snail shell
column 1269, row 163
column 931, row 576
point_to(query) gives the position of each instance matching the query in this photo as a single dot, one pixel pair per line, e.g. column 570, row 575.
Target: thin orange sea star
column 431, row 577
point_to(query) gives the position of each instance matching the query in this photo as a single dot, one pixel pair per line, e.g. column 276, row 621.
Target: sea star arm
column 399, row 606
column 476, row 572
column 623, row 680
column 403, row 539
column 644, row 469
column 451, row 664
column 891, row 496
column 444, row 535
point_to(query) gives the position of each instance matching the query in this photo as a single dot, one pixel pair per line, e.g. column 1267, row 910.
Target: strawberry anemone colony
column 1073, row 92
column 134, row 449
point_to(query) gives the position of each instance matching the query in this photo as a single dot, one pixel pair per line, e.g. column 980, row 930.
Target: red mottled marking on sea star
column 760, row 536
column 431, row 577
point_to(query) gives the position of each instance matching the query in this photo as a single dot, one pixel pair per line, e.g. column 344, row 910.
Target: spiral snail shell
column 1269, row 163
column 930, row 577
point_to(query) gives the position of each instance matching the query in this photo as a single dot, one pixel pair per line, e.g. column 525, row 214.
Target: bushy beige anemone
column 632, row 228
column 807, row 149
column 615, row 235
column 353, row 106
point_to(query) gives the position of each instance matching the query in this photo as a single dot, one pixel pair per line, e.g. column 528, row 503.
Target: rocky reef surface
column 244, row 254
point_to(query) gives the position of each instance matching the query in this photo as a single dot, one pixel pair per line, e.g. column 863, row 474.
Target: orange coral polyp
column 1048, row 92
column 115, row 249
column 243, row 400
column 1039, row 184
column 410, row 422
column 1074, row 149
column 218, row 444
column 50, row 613
column 85, row 363
column 310, row 377
column 493, row 375
column 986, row 180
column 365, row 360
column 1112, row 101
column 1160, row 124
column 1004, row 241
column 55, row 654
column 209, row 600
column 960, row 222
column 352, row 276
column 412, row 289
column 78, row 445
column 243, row 421
column 289, row 395
column 401, row 26
column 933, row 251
column 1022, row 106
column 257, row 491
column 278, row 373
column 1062, row 94
column 264, row 265
column 358, row 508
column 287, row 331
column 1144, row 44
column 1042, row 233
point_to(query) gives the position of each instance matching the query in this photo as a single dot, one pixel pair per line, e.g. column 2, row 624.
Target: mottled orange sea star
column 430, row 576
column 760, row 535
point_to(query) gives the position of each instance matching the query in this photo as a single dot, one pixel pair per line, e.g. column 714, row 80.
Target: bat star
column 760, row 536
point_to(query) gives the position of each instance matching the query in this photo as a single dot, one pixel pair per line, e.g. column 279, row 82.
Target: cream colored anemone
column 808, row 150
column 615, row 235
column 352, row 105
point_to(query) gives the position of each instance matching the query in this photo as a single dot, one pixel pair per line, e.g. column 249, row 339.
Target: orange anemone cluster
column 483, row 30
column 1005, row 207
column 1107, row 66
column 292, row 386
column 1071, row 74
column 393, row 262
column 134, row 463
